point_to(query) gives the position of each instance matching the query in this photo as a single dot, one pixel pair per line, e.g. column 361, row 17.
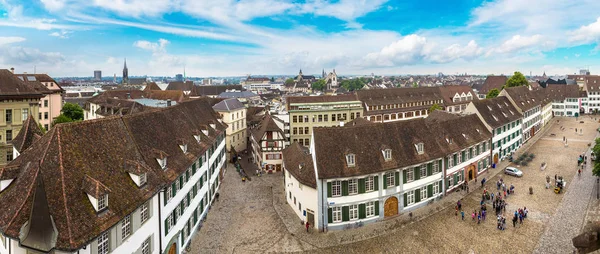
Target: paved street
column 252, row 217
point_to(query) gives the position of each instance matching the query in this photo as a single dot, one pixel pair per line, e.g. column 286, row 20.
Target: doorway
column 391, row 207
column 173, row 249
column 310, row 217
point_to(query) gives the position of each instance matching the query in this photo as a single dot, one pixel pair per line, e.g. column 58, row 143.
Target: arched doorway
column 495, row 158
column 173, row 249
column 471, row 172
column 391, row 207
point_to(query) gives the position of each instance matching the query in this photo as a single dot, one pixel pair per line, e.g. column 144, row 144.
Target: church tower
column 125, row 73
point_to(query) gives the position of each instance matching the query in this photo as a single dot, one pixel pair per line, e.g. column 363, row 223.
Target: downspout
column 159, row 223
column 324, row 207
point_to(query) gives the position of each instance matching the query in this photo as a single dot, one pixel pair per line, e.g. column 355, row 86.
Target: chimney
column 12, row 69
column 128, row 96
column 168, row 102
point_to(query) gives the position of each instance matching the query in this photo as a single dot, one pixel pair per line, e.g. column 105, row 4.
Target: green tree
column 62, row 118
column 517, row 80
column 319, row 85
column 289, row 81
column 492, row 93
column 352, row 84
column 272, row 79
column 596, row 150
column 415, row 85
column 72, row 111
column 435, row 107
column 42, row 128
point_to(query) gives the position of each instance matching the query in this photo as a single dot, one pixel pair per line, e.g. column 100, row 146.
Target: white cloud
column 28, row 56
column 152, row 46
column 347, row 10
column 53, row 5
column 519, row 42
column 61, row 34
column 456, row 51
column 587, row 33
column 10, row 40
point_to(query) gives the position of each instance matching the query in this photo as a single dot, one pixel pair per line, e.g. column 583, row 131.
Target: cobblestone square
column 252, row 217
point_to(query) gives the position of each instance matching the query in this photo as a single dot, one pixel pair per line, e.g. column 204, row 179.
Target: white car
column 513, row 171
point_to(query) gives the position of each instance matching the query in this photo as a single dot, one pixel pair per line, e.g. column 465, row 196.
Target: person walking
column 462, row 215
column 456, row 211
column 459, row 205
column 514, row 221
column 307, row 226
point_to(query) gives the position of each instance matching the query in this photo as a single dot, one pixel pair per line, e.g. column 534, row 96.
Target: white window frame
column 353, row 212
column 423, row 171
column 387, row 154
column 370, row 209
column 369, row 184
column 103, row 244
column 410, row 197
column 436, row 188
column 391, row 177
column 350, row 160
column 435, row 168
column 126, row 227
column 144, row 213
column 143, row 179
column 336, row 214
column 352, row 186
column 102, row 202
column 420, row 148
column 146, row 246
column 336, row 188
column 424, row 192
column 169, row 193
column 410, row 175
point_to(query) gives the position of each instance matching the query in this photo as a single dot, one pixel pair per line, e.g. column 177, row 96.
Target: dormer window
column 490, row 108
column 478, row 131
column 162, row 162
column 197, row 137
column 464, row 136
column 205, row 132
column 102, row 202
column 387, row 154
column 420, row 149
column 143, row 179
column 214, row 126
column 350, row 160
column 495, row 118
column 183, row 148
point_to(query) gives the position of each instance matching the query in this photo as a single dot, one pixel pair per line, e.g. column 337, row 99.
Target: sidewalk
column 389, row 226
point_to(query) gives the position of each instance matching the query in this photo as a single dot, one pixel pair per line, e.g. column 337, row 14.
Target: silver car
column 513, row 171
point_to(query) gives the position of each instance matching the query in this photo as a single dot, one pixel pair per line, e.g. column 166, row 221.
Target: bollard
column 530, row 190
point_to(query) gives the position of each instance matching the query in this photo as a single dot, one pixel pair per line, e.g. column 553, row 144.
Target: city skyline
column 272, row 37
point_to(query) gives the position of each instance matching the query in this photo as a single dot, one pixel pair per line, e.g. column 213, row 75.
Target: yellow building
column 307, row 112
column 233, row 113
column 18, row 100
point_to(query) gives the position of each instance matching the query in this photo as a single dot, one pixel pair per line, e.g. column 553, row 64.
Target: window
column 409, row 175
column 45, row 115
column 370, row 209
column 423, row 171
column 102, row 202
column 8, row 115
column 25, row 113
column 336, row 188
column 295, row 131
column 8, row 135
column 336, row 214
column 436, row 188
column 423, row 192
column 419, row 147
column 390, row 179
column 295, row 119
column 306, row 130
column 353, row 212
column 350, row 160
column 369, row 183
column 146, row 246
column 387, row 154
column 144, row 213
column 143, row 179
column 126, row 227
column 410, row 197
column 45, row 103
column 103, row 243
column 9, row 155
column 436, row 168
column 353, row 186
column 169, row 191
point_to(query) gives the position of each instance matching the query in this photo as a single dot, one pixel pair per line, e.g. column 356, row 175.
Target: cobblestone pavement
column 252, row 217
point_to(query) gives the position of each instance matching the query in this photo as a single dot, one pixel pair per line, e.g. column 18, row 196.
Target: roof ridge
column 64, row 196
column 28, row 194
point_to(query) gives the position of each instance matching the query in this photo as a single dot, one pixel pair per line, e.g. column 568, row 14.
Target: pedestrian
column 483, row 215
column 525, row 211
column 456, row 211
column 492, row 197
column 473, row 216
column 482, row 182
column 459, row 205
column 575, row 130
column 478, row 217
column 520, row 218
column 555, row 179
column 462, row 215
column 514, row 220
column 307, row 225
column 579, row 172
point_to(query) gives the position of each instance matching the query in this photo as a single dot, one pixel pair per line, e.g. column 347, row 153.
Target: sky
column 279, row 37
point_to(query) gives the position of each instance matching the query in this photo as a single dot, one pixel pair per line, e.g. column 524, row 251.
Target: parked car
column 513, row 171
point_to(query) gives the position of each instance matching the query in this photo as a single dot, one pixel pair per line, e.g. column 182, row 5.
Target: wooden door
column 173, row 249
column 278, row 167
column 391, row 207
column 310, row 216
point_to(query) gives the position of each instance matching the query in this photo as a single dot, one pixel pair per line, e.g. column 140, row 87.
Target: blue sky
column 268, row 37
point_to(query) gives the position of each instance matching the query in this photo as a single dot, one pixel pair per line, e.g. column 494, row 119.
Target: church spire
column 125, row 73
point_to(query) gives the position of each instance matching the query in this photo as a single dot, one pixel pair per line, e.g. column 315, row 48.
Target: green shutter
column 361, row 185
column 377, row 207
column 397, row 180
column 173, row 190
column 345, row 213
column 330, row 215
column 385, row 181
column 429, row 190
column 194, row 169
column 429, row 168
column 405, row 199
column 455, row 159
column 376, row 183
column 403, row 176
column 167, row 226
column 195, row 217
column 187, row 176
column 440, row 165
column 181, row 182
column 329, row 190
column 165, row 198
column 446, row 163
column 201, row 206
column 344, row 188
column 417, row 174
column 417, row 195
column 362, row 211
column 440, row 187
column 455, row 179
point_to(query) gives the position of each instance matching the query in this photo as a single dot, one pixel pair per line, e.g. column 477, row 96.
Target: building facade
column 307, row 112
column 52, row 102
column 368, row 172
column 233, row 113
column 528, row 104
column 268, row 141
column 148, row 193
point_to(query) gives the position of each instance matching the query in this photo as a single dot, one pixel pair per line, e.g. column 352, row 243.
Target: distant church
column 131, row 81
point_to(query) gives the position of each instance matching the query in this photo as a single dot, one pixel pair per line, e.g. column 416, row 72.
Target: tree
column 42, row 128
column 289, row 81
column 352, row 84
column 72, row 111
column 492, row 93
column 435, row 107
column 319, row 85
column 272, row 79
column 62, row 118
column 596, row 150
column 517, row 80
